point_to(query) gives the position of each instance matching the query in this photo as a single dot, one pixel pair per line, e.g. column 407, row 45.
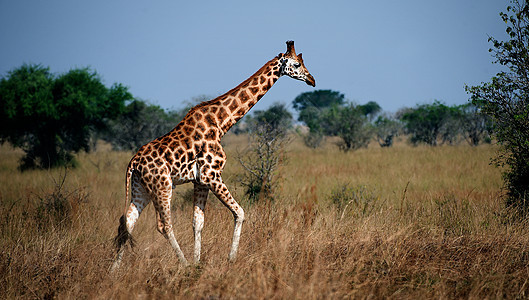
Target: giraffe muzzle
column 310, row 80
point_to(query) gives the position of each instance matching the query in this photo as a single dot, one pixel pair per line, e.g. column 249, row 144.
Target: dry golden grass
column 402, row 222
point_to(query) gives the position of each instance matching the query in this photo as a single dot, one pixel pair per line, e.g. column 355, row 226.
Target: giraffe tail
column 123, row 233
column 130, row 170
column 120, row 240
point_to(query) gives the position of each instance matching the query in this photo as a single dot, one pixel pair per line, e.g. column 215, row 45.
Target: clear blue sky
column 397, row 53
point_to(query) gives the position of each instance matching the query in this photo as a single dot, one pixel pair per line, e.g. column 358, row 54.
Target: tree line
column 326, row 113
column 52, row 116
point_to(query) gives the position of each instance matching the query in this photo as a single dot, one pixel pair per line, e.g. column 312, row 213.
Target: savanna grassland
column 400, row 222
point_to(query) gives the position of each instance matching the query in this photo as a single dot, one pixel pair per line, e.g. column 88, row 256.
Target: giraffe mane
column 218, row 99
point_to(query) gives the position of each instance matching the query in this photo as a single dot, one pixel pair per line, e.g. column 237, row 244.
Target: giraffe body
column 192, row 152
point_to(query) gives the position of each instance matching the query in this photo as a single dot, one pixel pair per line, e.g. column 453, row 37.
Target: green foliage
column 276, row 117
column 50, row 117
column 386, row 128
column 370, row 109
column 475, row 125
column 318, row 99
column 313, row 139
column 429, row 123
column 350, row 124
column 326, row 113
column 312, row 105
column 505, row 101
column 140, row 123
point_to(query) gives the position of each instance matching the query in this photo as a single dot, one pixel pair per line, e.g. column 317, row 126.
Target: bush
column 505, row 101
column 265, row 153
column 139, row 124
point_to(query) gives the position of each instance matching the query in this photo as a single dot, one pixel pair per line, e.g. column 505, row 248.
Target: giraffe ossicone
column 192, row 152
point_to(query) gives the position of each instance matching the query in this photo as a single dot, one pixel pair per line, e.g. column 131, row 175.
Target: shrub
column 505, row 101
column 266, row 151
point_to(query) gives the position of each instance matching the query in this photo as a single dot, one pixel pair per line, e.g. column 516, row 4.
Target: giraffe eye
column 297, row 65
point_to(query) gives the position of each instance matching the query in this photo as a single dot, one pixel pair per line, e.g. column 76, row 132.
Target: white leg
column 221, row 191
column 176, row 247
column 162, row 204
column 199, row 203
column 239, row 218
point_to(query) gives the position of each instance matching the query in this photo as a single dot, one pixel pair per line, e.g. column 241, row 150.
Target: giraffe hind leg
column 140, row 198
column 120, row 241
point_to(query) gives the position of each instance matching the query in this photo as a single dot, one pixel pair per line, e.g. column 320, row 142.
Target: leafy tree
column 140, row 123
column 326, row 113
column 277, row 117
column 50, row 117
column 311, row 116
column 310, row 107
column 386, row 128
column 475, row 126
column 353, row 126
column 505, row 100
column 370, row 109
column 318, row 99
column 348, row 122
column 452, row 127
column 427, row 123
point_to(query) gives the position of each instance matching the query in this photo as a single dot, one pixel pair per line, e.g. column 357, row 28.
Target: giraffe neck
column 239, row 100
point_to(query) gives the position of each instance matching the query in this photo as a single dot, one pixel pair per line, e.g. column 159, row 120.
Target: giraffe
column 192, row 152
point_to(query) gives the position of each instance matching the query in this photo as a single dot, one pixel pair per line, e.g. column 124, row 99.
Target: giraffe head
column 292, row 65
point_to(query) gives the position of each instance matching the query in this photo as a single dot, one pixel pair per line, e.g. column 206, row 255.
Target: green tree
column 505, row 101
column 277, row 117
column 475, row 126
column 52, row 117
column 386, row 129
column 350, row 123
column 370, row 109
column 140, row 123
column 326, row 113
column 311, row 116
column 318, row 99
column 310, row 107
column 427, row 123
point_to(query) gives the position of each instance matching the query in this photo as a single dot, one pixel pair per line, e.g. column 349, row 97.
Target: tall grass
column 405, row 222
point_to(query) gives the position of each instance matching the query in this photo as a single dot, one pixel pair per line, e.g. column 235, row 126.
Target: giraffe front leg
column 200, row 197
column 162, row 204
column 221, row 191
